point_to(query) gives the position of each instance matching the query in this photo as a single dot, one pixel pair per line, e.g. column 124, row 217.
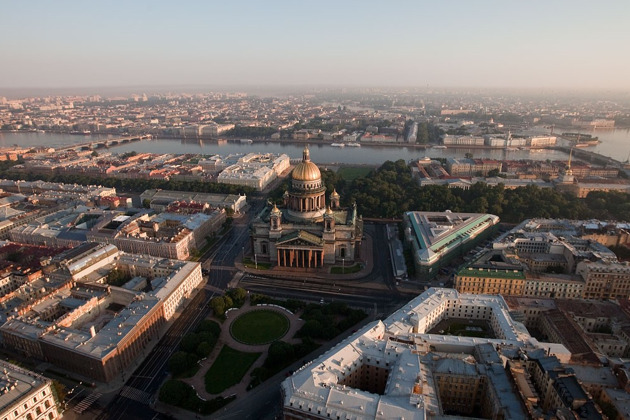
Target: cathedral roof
column 300, row 235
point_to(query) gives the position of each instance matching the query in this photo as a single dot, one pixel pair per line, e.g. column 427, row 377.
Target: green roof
column 481, row 272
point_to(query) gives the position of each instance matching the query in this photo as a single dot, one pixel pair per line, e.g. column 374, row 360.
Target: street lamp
column 256, row 260
column 343, row 266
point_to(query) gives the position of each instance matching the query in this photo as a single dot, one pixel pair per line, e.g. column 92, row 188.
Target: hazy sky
column 532, row 44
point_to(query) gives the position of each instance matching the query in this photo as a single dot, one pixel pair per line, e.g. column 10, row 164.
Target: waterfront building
column 449, row 140
column 26, row 395
column 437, row 237
column 404, row 367
column 541, row 141
column 306, row 232
column 255, row 170
column 472, row 167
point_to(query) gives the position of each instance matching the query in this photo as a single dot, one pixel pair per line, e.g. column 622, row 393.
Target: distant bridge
column 103, row 143
column 591, row 156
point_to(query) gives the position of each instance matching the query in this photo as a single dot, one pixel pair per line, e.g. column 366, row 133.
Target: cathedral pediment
column 300, row 238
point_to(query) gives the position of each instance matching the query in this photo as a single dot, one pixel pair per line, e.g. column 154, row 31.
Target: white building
column 255, row 170
column 25, row 395
column 396, row 369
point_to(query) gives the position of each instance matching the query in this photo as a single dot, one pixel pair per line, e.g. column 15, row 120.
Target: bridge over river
column 103, row 143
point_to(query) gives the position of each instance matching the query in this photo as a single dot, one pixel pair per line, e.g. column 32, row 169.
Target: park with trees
column 390, row 190
column 248, row 346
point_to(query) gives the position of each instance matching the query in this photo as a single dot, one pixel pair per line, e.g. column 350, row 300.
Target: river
column 615, row 143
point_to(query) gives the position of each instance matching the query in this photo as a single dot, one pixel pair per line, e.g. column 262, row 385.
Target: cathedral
column 306, row 232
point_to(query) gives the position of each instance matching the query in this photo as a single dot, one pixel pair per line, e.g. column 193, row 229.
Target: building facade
column 25, row 395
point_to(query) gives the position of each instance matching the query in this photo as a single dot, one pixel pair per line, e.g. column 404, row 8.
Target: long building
column 255, row 170
column 160, row 199
column 402, row 368
column 437, row 237
column 551, row 258
column 95, row 329
column 167, row 235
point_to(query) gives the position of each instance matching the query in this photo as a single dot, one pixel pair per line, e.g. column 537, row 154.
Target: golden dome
column 306, row 170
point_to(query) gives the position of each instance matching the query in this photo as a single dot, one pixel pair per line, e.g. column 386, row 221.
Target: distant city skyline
column 484, row 44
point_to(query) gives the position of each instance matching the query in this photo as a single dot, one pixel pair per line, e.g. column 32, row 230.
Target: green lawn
column 348, row 269
column 468, row 330
column 259, row 327
column 228, row 369
column 350, row 173
column 247, row 262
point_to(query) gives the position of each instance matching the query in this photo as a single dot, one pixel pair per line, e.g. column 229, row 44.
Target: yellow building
column 496, row 282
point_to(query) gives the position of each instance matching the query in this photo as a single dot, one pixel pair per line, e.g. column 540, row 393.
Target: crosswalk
column 87, row 402
column 224, row 268
column 135, row 394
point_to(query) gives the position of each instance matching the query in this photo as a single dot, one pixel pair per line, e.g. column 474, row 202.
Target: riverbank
column 322, row 152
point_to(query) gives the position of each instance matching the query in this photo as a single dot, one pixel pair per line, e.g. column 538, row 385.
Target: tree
column 180, row 362
column 423, row 133
column 203, row 349
column 238, row 295
column 173, row 392
column 60, row 390
column 280, row 353
column 218, row 305
column 209, row 326
column 311, row 328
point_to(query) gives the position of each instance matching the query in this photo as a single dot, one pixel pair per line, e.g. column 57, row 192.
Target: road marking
column 87, row 402
column 135, row 394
